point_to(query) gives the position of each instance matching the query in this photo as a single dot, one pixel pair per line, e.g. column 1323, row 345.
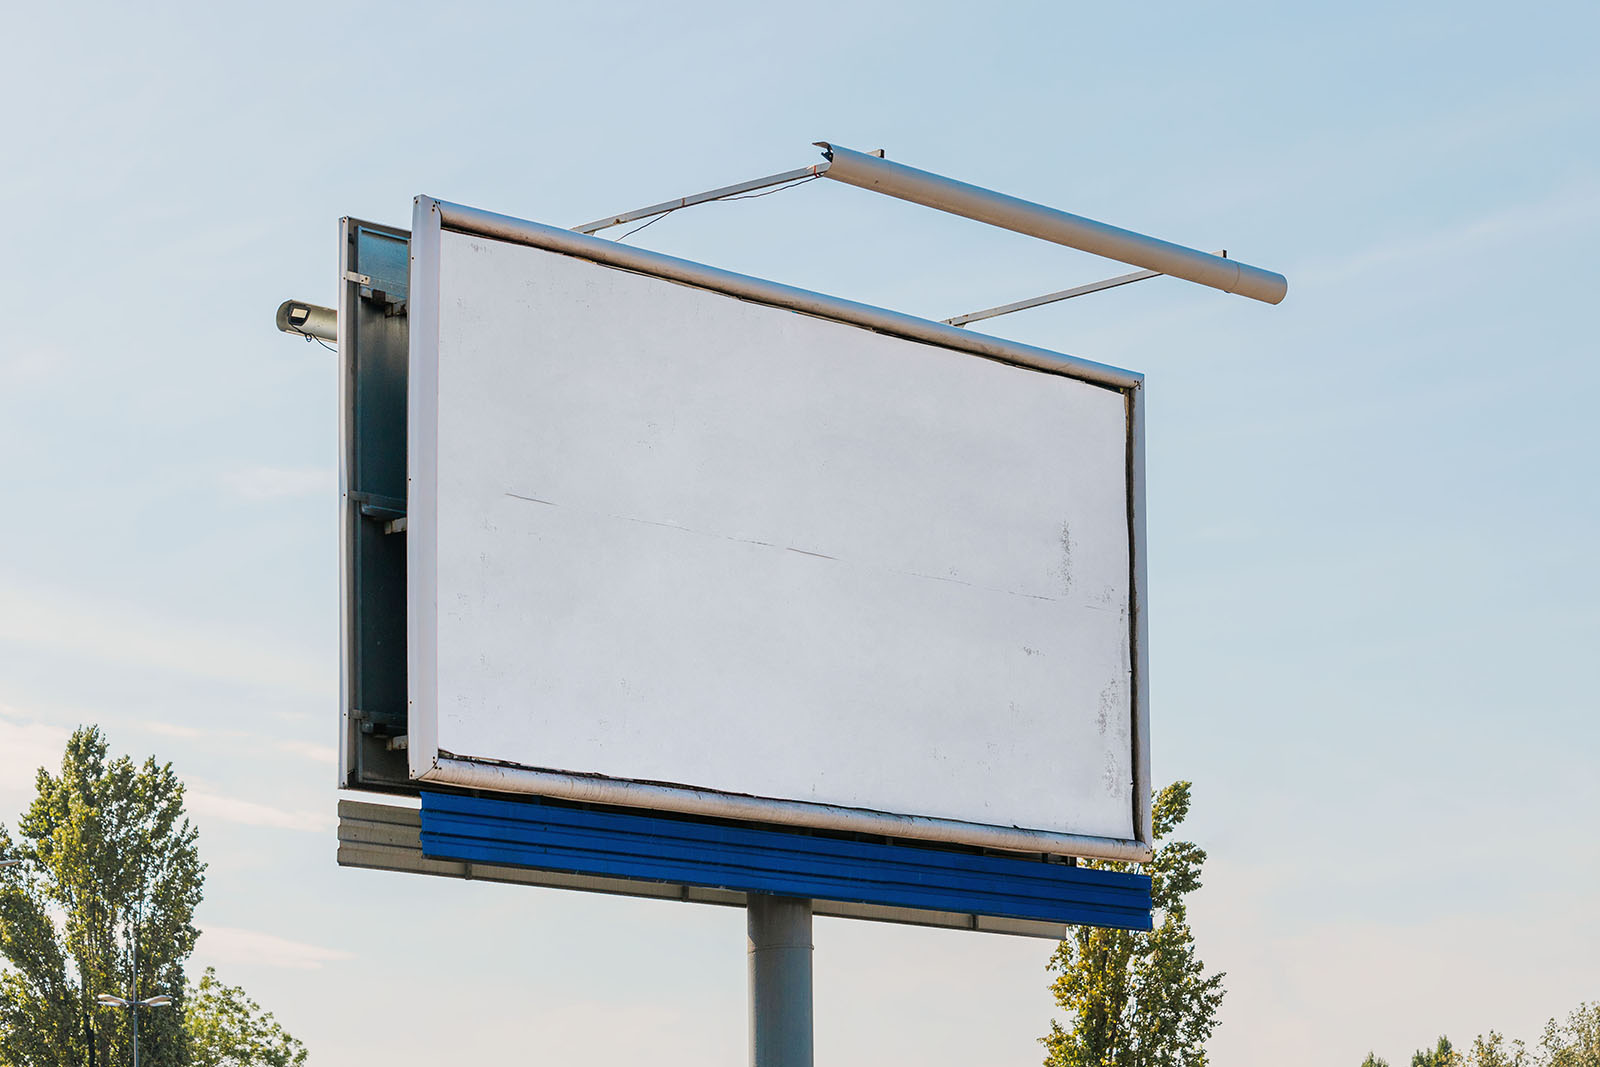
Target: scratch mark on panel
column 1066, row 559
column 787, row 548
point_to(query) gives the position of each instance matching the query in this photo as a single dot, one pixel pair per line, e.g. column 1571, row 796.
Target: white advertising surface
column 663, row 536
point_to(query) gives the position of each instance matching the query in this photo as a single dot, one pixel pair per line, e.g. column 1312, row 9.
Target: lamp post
column 132, row 1001
column 159, row 1001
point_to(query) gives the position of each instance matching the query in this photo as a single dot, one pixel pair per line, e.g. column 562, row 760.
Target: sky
column 1373, row 508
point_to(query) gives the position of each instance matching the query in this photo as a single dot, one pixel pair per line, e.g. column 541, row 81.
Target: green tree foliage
column 1574, row 1042
column 1374, row 1060
column 111, row 876
column 1138, row 999
column 98, row 839
column 1493, row 1051
column 1442, row 1055
column 228, row 1029
column 1570, row 1042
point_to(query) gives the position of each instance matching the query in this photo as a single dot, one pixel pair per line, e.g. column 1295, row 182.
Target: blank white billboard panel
column 662, row 535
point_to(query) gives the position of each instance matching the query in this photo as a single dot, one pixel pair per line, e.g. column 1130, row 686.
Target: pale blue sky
column 1373, row 508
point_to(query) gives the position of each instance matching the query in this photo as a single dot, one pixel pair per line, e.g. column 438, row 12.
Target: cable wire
column 312, row 337
column 793, row 183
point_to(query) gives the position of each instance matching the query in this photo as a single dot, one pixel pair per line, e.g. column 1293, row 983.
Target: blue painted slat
column 865, row 861
column 750, row 837
column 528, row 833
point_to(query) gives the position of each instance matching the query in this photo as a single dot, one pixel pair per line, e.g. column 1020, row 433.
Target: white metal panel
column 677, row 537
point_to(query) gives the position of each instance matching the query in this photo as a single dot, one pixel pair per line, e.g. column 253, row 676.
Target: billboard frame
column 430, row 767
column 373, row 348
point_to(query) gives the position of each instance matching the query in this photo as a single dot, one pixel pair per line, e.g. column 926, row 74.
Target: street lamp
column 160, row 1000
column 130, row 1002
column 10, row 863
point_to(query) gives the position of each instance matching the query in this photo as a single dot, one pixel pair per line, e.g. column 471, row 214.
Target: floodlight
column 308, row 320
column 161, row 1000
column 10, row 863
column 110, row 1001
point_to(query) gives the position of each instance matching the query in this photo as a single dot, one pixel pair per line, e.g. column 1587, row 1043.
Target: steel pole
column 780, row 981
column 133, row 995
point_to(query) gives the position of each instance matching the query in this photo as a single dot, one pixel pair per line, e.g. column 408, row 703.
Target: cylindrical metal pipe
column 308, row 320
column 1049, row 224
column 780, row 981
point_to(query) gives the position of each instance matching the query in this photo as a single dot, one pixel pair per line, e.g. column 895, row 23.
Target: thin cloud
column 232, row 945
column 25, row 746
column 119, row 634
column 210, row 805
column 308, row 750
column 311, row 751
column 172, row 729
column 1520, row 222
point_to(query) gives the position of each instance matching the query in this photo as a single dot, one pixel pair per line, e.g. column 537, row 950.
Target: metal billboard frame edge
column 422, row 429
column 428, row 764
column 368, row 321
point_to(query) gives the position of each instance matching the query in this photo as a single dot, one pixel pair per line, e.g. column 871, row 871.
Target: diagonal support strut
column 665, row 206
column 1062, row 294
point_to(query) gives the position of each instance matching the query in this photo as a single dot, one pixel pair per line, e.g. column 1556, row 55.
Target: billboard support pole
column 779, row 952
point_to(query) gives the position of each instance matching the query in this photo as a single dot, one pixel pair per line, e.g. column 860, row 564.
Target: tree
column 1138, row 999
column 1443, row 1055
column 1374, row 1060
column 1573, row 1043
column 109, row 882
column 108, row 851
column 1493, row 1051
column 228, row 1029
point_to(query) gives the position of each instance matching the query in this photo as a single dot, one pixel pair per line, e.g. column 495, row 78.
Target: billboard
column 687, row 542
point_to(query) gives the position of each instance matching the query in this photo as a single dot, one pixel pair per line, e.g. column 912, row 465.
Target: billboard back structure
column 664, row 581
column 671, row 545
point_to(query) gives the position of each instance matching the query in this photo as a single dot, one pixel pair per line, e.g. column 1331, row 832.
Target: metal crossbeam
column 665, row 206
column 879, row 175
column 1064, row 294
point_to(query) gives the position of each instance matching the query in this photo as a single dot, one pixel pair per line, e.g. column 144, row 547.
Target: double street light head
column 160, row 1000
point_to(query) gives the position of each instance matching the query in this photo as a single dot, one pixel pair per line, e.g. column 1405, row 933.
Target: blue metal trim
column 530, row 833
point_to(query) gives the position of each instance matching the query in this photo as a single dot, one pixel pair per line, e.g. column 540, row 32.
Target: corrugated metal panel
column 386, row 837
column 637, row 846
